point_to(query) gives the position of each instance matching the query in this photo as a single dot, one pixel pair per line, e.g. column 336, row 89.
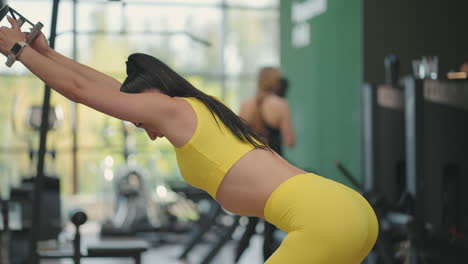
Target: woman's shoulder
column 185, row 104
column 191, row 105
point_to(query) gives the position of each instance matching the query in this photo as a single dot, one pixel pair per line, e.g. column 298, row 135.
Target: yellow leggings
column 326, row 222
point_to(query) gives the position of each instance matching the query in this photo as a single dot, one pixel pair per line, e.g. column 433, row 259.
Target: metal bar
column 368, row 103
column 348, row 176
column 74, row 108
column 414, row 100
column 413, row 133
column 77, row 246
column 126, row 151
column 38, row 182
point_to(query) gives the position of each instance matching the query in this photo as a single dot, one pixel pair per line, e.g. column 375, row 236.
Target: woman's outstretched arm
column 96, row 92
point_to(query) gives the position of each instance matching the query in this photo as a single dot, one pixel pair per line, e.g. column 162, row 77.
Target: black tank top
column 271, row 134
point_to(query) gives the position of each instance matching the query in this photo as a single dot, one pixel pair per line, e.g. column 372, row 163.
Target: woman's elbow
column 72, row 90
column 74, row 93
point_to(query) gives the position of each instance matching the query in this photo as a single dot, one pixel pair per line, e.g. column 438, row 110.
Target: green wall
column 325, row 78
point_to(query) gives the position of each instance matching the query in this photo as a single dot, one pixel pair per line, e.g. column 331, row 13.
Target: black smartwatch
column 17, row 48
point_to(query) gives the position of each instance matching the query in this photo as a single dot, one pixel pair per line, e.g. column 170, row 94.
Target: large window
column 217, row 45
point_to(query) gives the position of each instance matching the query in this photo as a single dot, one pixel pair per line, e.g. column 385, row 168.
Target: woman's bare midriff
column 247, row 186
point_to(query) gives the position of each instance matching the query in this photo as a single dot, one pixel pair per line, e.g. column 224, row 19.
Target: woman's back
column 269, row 112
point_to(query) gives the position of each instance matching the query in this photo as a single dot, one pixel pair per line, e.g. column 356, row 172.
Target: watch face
column 16, row 48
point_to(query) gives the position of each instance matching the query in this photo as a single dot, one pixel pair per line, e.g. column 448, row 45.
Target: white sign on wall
column 301, row 13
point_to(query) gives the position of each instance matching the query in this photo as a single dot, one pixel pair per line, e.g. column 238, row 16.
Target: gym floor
column 167, row 254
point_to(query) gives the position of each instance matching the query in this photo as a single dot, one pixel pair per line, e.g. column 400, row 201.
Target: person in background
column 268, row 114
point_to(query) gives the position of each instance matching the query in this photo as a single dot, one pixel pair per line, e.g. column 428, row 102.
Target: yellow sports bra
column 211, row 152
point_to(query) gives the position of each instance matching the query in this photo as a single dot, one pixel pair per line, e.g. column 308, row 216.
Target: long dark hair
column 145, row 72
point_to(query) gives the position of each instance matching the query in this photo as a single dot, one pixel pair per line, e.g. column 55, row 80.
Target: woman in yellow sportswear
column 327, row 223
